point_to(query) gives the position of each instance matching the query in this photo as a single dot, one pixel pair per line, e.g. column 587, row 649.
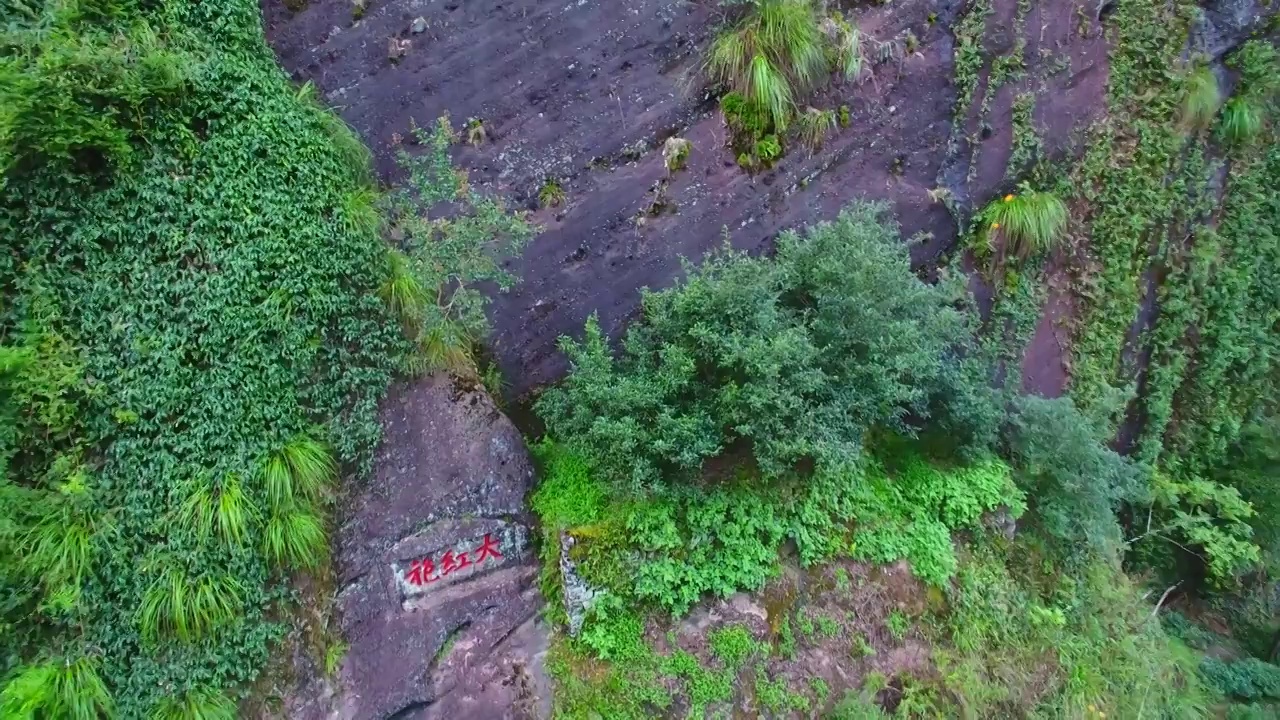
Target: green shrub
column 1207, row 516
column 1248, row 680
column 786, row 357
column 1075, row 482
column 1251, row 468
column 448, row 257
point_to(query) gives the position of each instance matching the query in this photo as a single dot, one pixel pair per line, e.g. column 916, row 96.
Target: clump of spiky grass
column 403, row 292
column 223, row 507
column 1201, row 98
column 1029, row 221
column 772, row 55
column 551, row 194
column 58, row 546
column 297, row 479
column 197, row 704
column 850, row 58
column 302, row 470
column 177, row 605
column 295, row 537
column 814, row 125
column 360, row 214
column 70, row 689
column 1241, row 122
column 445, row 345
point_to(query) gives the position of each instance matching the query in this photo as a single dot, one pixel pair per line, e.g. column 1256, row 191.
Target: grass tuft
column 177, row 606
column 303, row 469
column 774, row 53
column 551, row 194
column 311, row 465
column 1029, row 221
column 1201, row 99
column 403, row 292
column 814, row 125
column 1241, row 122
column 223, row 508
column 295, row 537
column 446, row 345
column 72, row 690
column 197, row 704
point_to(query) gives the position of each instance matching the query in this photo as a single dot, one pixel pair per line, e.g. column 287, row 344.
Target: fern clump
column 1022, row 224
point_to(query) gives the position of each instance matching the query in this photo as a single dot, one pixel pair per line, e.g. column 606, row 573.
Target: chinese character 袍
column 421, row 571
column 489, row 548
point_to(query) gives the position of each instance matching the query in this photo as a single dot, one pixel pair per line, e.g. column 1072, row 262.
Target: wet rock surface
column 436, row 593
column 586, row 92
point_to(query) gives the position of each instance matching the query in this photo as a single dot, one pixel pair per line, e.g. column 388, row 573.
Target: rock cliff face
column 962, row 98
column 585, row 92
column 436, row 597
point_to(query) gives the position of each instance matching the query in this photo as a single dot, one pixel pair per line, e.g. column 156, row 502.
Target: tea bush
column 780, row 361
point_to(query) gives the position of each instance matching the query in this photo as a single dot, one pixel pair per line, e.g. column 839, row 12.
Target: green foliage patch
column 1022, row 636
column 433, row 277
column 192, row 343
column 910, row 514
column 1075, row 482
column 774, row 362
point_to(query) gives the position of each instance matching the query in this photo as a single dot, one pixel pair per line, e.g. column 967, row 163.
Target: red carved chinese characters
column 423, row 571
column 488, row 548
column 420, row 572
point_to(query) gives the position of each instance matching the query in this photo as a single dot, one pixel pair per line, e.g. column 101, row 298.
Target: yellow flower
column 995, row 226
column 1008, row 198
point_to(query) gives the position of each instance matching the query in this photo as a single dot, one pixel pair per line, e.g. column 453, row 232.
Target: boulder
column 437, row 598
